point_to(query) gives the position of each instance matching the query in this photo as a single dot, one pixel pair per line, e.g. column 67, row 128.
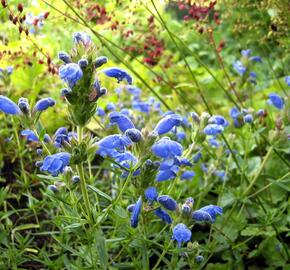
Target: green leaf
column 101, row 193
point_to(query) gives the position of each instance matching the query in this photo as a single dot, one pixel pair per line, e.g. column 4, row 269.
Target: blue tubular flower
column 207, row 213
column 55, row 164
column 61, row 136
column 117, row 73
column 276, row 101
column 8, row 106
column 114, row 141
column 100, row 61
column 82, row 38
column 166, row 148
column 141, row 106
column 167, row 123
column 165, row 175
column 122, row 120
column 136, row 212
column 248, row 118
column 163, row 215
column 167, row 202
column 151, row 194
column 43, row 104
column 218, row 120
column 23, row 105
column 234, row 113
column 187, row 175
column 70, row 73
column 213, row 129
column 134, row 134
column 287, row 80
column 181, row 234
column 63, row 56
column 239, row 67
column 30, row 135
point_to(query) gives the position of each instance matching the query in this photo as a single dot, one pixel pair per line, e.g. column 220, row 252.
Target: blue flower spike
column 8, row 106
column 136, row 212
column 181, row 234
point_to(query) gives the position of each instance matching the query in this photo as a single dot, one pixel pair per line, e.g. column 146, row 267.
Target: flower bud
column 75, row 179
column 53, row 188
column 134, row 134
column 100, row 61
column 83, row 63
column 63, row 56
column 23, row 105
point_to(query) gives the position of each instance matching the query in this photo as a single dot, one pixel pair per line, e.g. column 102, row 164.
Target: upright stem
column 80, row 170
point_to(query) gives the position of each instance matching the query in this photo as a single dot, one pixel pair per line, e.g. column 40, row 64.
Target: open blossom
column 117, row 73
column 213, row 129
column 43, row 104
column 151, row 194
column 122, row 120
column 181, row 234
column 136, row 212
column 55, row 164
column 166, row 148
column 70, row 73
column 276, row 101
column 167, row 123
column 207, row 213
column 8, row 106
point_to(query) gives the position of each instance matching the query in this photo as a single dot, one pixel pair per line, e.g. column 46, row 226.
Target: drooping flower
column 136, row 212
column 181, row 234
column 70, row 73
column 8, row 106
column 167, row 123
column 276, row 101
column 55, row 164
column 117, row 73
column 151, row 194
column 29, row 135
column 166, row 148
column 207, row 213
column 167, row 202
column 213, row 129
column 163, row 215
column 122, row 120
column 134, row 134
column 43, row 104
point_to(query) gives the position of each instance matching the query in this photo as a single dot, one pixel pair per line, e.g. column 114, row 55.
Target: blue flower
column 23, row 105
column 213, row 142
column 122, row 120
column 82, row 38
column 43, row 104
column 112, row 142
column 117, row 73
column 213, row 129
column 164, row 175
column 234, row 113
column 180, row 135
column 276, row 101
column 218, row 120
column 8, row 106
column 30, row 135
column 100, row 61
column 207, row 213
column 181, row 234
column 248, row 118
column 187, row 175
column 100, row 112
column 239, row 67
column 70, row 73
column 199, row 259
column 134, row 134
column 287, row 80
column 256, row 59
column 111, row 106
column 162, row 214
column 246, row 53
column 63, row 56
column 83, row 63
column 136, row 212
column 61, row 137
column 151, row 194
column 167, row 202
column 9, row 70
column 166, row 148
column 141, row 106
column 135, row 91
column 55, row 164
column 197, row 157
column 167, row 123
